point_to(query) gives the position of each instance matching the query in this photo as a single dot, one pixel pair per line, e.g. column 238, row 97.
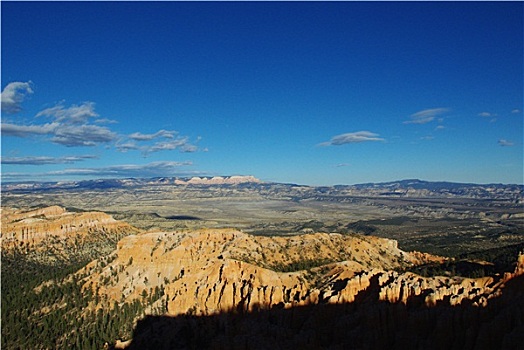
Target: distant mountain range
column 401, row 188
column 441, row 188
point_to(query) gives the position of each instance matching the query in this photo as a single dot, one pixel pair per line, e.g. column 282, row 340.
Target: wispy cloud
column 46, row 160
column 153, row 169
column 69, row 135
column 71, row 115
column 341, row 165
column 486, row 114
column 505, row 143
column 83, row 135
column 70, row 127
column 9, row 129
column 127, row 146
column 13, row 95
column 81, row 126
column 174, row 142
column 105, row 121
column 147, row 137
column 515, row 111
column 352, row 137
column 180, row 143
column 425, row 116
column 74, row 127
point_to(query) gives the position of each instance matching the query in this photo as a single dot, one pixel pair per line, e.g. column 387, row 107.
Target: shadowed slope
column 364, row 324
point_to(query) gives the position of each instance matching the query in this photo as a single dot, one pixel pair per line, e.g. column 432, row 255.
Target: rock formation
column 293, row 286
column 218, row 180
column 209, row 273
column 56, row 230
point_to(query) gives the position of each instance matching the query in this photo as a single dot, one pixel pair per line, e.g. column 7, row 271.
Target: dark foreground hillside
column 363, row 324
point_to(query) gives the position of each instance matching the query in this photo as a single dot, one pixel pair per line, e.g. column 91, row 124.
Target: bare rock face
column 43, row 228
column 211, row 271
column 218, row 180
column 227, row 272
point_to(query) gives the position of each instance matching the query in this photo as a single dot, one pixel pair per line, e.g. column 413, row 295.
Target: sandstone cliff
column 362, row 324
column 57, row 231
column 211, row 271
column 216, row 272
column 218, row 180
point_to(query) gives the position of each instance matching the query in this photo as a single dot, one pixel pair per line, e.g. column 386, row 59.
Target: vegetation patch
column 474, row 265
column 362, row 227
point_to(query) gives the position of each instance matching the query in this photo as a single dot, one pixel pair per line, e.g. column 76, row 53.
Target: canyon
column 233, row 262
column 212, row 271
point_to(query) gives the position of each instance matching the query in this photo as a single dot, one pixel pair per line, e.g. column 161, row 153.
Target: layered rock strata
column 211, row 271
column 38, row 229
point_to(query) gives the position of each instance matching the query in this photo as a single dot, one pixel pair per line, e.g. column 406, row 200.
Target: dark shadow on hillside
column 364, row 324
column 183, row 217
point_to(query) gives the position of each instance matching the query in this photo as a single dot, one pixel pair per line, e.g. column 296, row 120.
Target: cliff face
column 362, row 324
column 218, row 180
column 211, row 271
column 343, row 287
column 218, row 275
column 55, row 230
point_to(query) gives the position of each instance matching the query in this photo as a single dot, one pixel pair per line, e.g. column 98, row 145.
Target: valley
column 205, row 263
column 441, row 218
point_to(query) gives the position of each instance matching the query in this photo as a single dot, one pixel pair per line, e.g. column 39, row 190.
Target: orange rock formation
column 35, row 229
column 211, row 271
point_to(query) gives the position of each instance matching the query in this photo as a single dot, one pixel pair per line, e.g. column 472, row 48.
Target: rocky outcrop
column 211, row 271
column 218, row 180
column 362, row 324
column 407, row 288
column 213, row 281
column 46, row 228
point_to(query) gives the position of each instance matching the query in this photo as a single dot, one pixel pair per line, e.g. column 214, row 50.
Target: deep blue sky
column 310, row 93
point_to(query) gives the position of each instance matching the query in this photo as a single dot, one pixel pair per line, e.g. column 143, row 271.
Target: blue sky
column 309, row 93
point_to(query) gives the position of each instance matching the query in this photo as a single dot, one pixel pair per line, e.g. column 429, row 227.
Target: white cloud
column 505, row 143
column 147, row 137
column 486, row 114
column 46, row 160
column 181, row 143
column 352, row 137
column 515, row 111
column 9, row 129
column 153, row 169
column 105, row 121
column 425, row 116
column 70, row 127
column 79, row 126
column 83, row 135
column 72, row 115
column 127, row 146
column 64, row 134
column 13, row 95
